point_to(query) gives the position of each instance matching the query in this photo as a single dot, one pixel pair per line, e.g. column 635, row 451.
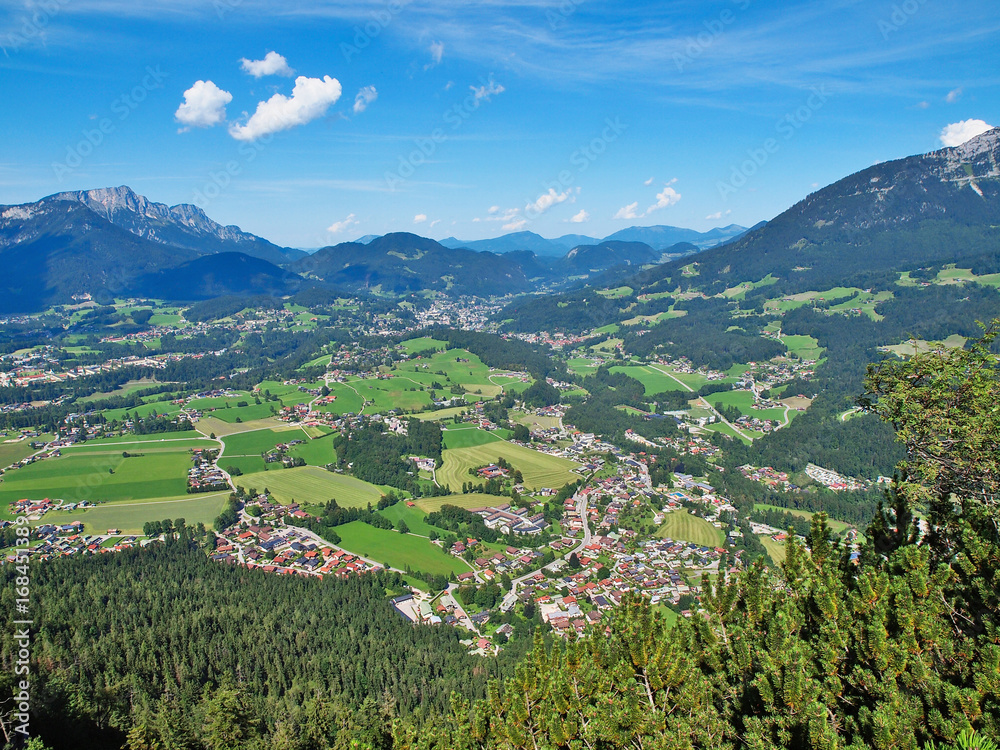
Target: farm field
column 398, row 550
column 459, row 366
column 775, row 550
column 157, row 407
column 414, row 518
column 129, row 517
column 467, row 436
column 439, row 414
column 422, row 344
column 308, row 484
column 258, row 441
column 539, row 469
column 803, row 347
column 396, row 393
column 348, row 400
column 743, row 400
column 472, row 500
column 87, row 475
column 208, row 425
column 682, row 526
column 837, row 527
column 13, row 452
column 160, row 437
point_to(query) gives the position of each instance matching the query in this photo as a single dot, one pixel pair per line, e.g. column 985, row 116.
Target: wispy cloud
column 343, row 225
column 580, row 217
column 364, row 97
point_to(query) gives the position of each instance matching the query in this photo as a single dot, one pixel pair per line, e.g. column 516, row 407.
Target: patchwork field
column 743, row 400
column 400, row 551
column 100, row 475
column 682, row 526
column 413, row 516
column 539, row 469
column 308, row 484
column 467, row 436
column 472, row 500
column 129, row 517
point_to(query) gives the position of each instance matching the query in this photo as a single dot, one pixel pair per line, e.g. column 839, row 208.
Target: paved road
column 581, row 508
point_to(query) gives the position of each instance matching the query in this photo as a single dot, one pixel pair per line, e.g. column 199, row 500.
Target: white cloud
column 548, row 200
column 954, row 95
column 923, row 105
column 628, row 212
column 491, row 88
column 339, row 226
column 494, row 210
column 437, row 52
column 364, row 97
column 718, row 215
column 516, row 225
column 667, row 197
column 648, row 182
column 273, row 64
column 580, row 217
column 310, row 99
column 420, row 218
column 436, row 221
column 958, row 133
column 204, row 105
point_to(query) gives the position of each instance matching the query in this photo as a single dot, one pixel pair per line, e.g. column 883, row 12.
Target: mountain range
column 941, row 207
column 657, row 237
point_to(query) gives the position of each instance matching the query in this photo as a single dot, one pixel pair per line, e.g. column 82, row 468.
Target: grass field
column 803, row 347
column 414, row 518
column 655, row 381
column 451, row 367
column 838, row 527
column 209, row 425
column 467, row 436
column 682, row 526
column 472, row 500
column 100, row 475
column 258, row 441
column 743, row 400
column 129, row 517
column 398, row 550
column 13, row 452
column 308, row 484
column 539, row 470
column 775, row 550
column 422, row 344
column 348, row 400
column 439, row 414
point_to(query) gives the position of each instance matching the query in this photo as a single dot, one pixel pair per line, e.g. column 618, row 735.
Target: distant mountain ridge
column 657, row 237
column 184, row 225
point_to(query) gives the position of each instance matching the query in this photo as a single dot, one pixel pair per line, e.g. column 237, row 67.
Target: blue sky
column 317, row 122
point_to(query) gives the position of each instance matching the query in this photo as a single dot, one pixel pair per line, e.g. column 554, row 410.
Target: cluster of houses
column 767, row 475
column 66, row 540
column 492, row 564
column 833, row 480
column 279, row 549
column 204, row 475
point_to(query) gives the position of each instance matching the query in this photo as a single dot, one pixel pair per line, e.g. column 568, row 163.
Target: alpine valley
column 661, row 489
